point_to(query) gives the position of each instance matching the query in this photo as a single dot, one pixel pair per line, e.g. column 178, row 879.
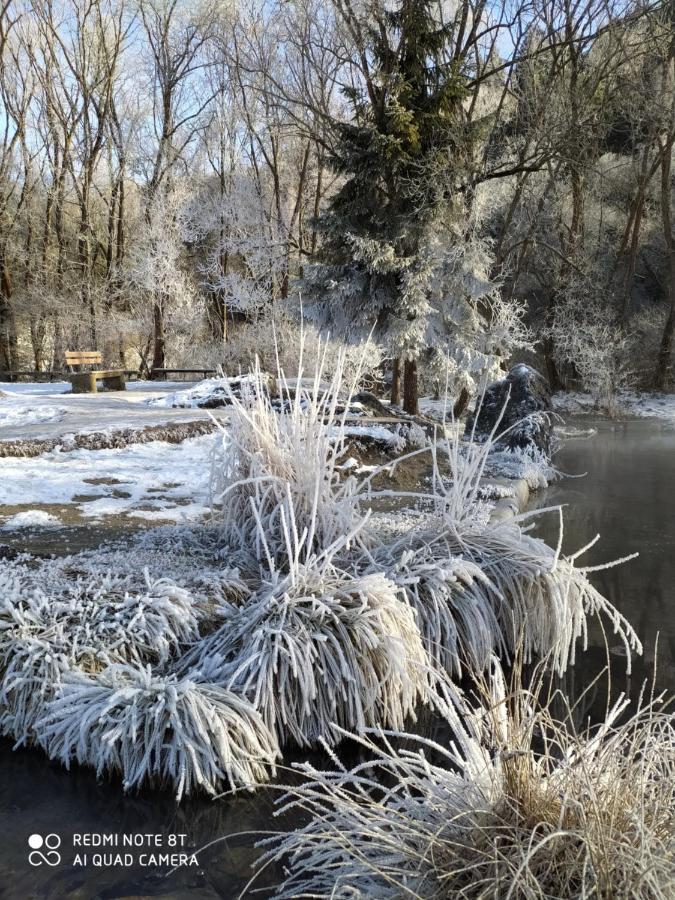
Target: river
column 625, row 496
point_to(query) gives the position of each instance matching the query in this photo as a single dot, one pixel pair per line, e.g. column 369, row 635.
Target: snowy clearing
column 153, row 481
column 42, row 411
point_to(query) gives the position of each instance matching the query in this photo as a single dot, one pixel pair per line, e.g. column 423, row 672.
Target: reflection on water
column 39, row 797
column 626, row 496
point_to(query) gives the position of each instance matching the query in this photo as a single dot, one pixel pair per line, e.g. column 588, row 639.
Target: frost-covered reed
column 527, row 595
column 277, row 474
column 518, row 805
column 320, row 647
column 177, row 732
column 455, row 604
column 50, row 626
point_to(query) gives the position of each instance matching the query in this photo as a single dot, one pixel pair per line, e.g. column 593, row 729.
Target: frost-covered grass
column 529, row 464
column 321, row 647
column 519, row 805
column 52, row 625
column 179, row 732
column 481, row 586
column 276, row 483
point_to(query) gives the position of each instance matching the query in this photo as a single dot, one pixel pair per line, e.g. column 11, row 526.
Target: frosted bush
column 587, row 335
column 32, row 669
column 547, row 599
column 52, row 622
column 517, row 805
column 455, row 604
column 102, row 618
column 275, row 480
column 320, row 647
column 530, row 464
column 169, row 731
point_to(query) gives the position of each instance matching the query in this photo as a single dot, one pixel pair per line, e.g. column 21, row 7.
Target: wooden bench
column 85, row 382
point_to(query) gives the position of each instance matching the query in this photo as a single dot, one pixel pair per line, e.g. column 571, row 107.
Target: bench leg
column 84, row 383
column 115, row 383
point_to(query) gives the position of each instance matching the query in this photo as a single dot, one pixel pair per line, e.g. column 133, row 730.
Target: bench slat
column 75, row 357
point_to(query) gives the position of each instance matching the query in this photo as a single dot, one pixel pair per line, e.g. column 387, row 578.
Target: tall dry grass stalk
column 275, row 482
column 519, row 806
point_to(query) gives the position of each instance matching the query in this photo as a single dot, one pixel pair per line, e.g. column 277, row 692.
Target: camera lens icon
column 48, row 855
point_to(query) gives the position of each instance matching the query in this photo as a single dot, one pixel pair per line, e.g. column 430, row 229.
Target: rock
column 525, row 398
column 220, row 396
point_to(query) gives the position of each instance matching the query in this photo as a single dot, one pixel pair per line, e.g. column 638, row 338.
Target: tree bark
column 461, row 403
column 8, row 337
column 410, row 387
column 159, row 350
column 662, row 375
column 396, row 382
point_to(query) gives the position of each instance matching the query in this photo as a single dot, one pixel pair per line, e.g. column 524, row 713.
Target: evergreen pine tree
column 376, row 266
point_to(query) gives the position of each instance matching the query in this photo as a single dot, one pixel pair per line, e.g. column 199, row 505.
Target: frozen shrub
column 278, row 469
column 155, row 727
column 546, row 598
column 51, row 623
column 455, row 604
column 98, row 619
column 519, row 805
column 32, row 669
column 319, row 647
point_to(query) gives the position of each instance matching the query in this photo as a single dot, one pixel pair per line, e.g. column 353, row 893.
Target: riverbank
column 140, row 812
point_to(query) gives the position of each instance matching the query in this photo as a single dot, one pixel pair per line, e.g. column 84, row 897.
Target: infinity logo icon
column 48, row 855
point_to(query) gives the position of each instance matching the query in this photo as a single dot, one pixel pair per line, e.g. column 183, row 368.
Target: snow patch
column 31, row 518
column 17, row 411
column 158, row 479
column 36, row 387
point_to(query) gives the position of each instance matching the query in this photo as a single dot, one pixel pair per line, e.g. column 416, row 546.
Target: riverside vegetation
column 193, row 657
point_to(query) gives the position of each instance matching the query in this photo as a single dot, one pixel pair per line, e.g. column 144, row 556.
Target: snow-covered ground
column 629, row 403
column 16, row 412
column 41, row 411
column 30, row 519
column 156, row 481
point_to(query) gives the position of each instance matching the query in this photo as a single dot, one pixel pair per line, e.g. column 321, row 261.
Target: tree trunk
column 554, row 380
column 396, row 382
column 461, row 403
column 159, row 350
column 410, row 387
column 58, row 358
column 8, row 337
column 662, row 376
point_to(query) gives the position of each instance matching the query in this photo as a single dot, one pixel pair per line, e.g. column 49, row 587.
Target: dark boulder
column 525, row 400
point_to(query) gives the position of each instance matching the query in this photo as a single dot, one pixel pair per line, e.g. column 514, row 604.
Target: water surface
column 627, row 496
